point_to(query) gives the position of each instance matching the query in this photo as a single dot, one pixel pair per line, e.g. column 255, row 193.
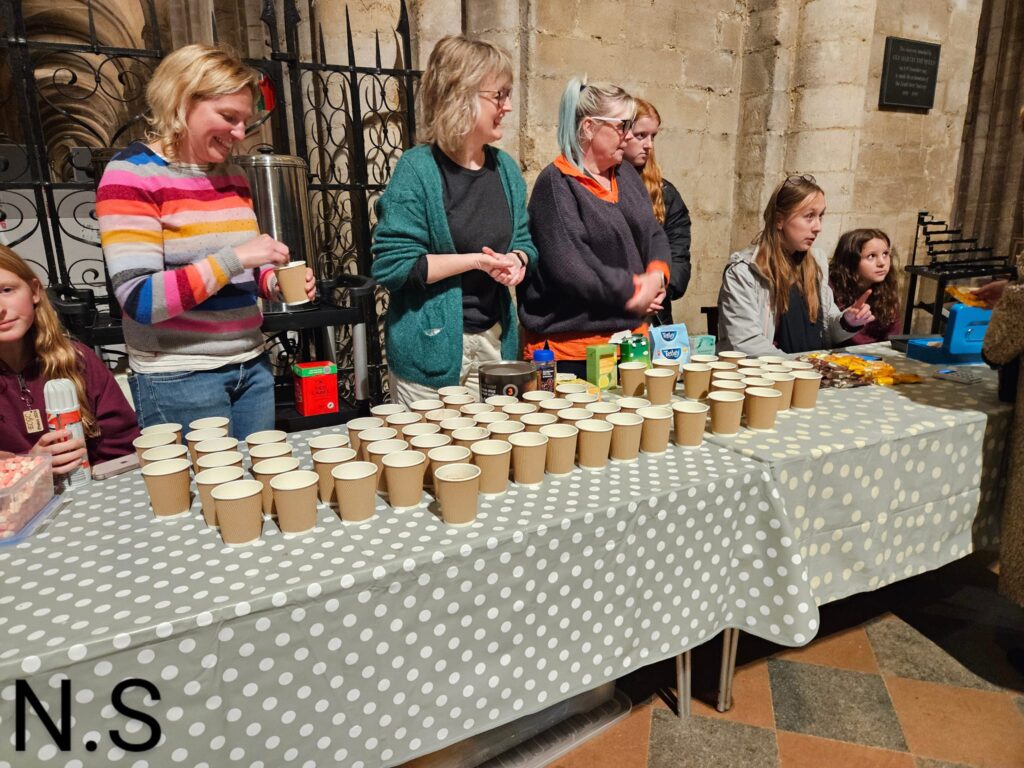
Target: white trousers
column 476, row 348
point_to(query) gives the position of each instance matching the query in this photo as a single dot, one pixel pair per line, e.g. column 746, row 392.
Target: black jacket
column 677, row 227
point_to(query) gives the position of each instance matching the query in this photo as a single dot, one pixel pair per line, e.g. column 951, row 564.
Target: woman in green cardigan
column 452, row 235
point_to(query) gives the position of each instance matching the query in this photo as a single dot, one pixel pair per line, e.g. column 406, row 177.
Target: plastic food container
column 26, row 485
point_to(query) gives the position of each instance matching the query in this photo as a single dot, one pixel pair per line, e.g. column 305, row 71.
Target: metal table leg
column 730, row 643
column 684, row 683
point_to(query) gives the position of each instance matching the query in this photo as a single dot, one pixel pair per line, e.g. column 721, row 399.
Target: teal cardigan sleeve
column 402, row 234
column 516, row 186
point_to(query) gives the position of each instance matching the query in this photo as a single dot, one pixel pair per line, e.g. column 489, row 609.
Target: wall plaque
column 910, row 69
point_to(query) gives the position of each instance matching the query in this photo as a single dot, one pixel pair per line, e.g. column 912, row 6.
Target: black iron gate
column 64, row 100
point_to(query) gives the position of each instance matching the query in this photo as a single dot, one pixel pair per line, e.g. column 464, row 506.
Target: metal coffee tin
column 506, row 377
column 635, row 348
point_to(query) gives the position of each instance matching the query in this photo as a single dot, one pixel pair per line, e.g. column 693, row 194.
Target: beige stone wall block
column 816, row 151
column 838, row 106
column 545, row 96
column 555, row 18
column 723, row 113
column 563, row 58
column 606, row 20
column 838, row 191
column 836, row 19
column 916, row 19
column 697, row 26
column 686, row 109
column 716, row 70
column 835, row 62
column 757, row 72
column 730, row 34
column 680, row 158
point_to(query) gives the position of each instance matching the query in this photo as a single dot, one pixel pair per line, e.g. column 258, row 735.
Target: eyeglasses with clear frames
column 500, row 97
column 622, row 126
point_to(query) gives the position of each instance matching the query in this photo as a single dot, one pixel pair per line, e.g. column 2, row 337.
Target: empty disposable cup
column 425, row 443
column 163, row 452
column 460, row 422
column 772, row 359
column 756, row 381
column 447, row 454
column 776, row 369
column 732, row 356
column 784, row 383
column 143, row 443
column 295, row 500
column 726, row 410
column 502, row 429
column 425, row 406
column 324, row 442
column 631, row 378
column 457, row 488
column 689, row 420
column 457, row 401
column 696, row 380
column 626, row 432
column 374, row 435
column 168, row 485
column 421, row 428
column 601, row 410
column 632, row 404
column 534, row 421
column 661, row 382
column 376, row 452
column 494, row 457
column 404, row 419
column 762, row 404
column 266, row 436
column 554, row 404
column 215, row 445
column 561, row 448
column 805, row 389
column 703, row 359
column 489, row 418
column 500, row 401
column 668, row 365
column 354, row 427
column 219, row 459
column 266, row 469
column 750, row 373
column 355, row 488
column 725, row 385
column 209, row 479
column 582, row 399
column 239, row 511
column 324, row 463
column 749, row 362
column 572, row 415
column 441, row 414
column 593, row 443
column 173, row 428
column 727, row 376
column 516, row 411
column 798, row 365
column 564, row 390
column 723, row 365
column 210, row 422
column 537, row 396
column 454, row 389
column 529, row 455
column 387, row 409
column 472, row 409
column 260, row 453
column 405, row 471
column 655, row 429
column 291, row 280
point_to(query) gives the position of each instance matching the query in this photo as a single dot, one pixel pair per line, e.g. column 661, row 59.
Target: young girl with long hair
column 34, row 349
column 775, row 293
column 863, row 260
column 669, row 208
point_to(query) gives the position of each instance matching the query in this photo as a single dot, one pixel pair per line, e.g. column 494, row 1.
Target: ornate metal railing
column 73, row 87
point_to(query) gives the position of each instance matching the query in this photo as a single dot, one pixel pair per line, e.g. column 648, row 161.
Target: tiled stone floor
column 912, row 676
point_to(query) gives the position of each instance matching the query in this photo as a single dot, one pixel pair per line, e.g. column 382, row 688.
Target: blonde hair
column 448, row 102
column 57, row 357
column 580, row 101
column 190, row 74
column 771, row 260
column 651, row 173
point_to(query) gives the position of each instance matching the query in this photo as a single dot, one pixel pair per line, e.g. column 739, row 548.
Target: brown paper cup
column 375, row 435
column 387, row 409
column 500, row 401
column 732, row 356
column 516, row 411
column 405, row 472
column 355, row 487
column 354, row 427
column 441, row 414
column 454, row 389
column 324, row 463
column 457, row 489
column 626, row 432
column 266, row 451
column 661, row 382
column 561, row 448
column 425, row 444
column 489, row 418
column 762, row 406
column 537, row 396
column 750, row 373
column 666, row 364
column 450, row 425
column 325, row 442
column 776, row 369
column 572, row 415
column 291, row 279
column 632, row 404
column 784, row 383
column 689, row 420
column 401, row 420
column 168, row 485
column 594, row 443
column 582, row 399
column 266, row 436
column 772, row 359
column 421, row 428
column 534, row 421
column 209, row 479
column 494, row 457
column 631, row 378
column 162, row 453
column 221, row 459
column 503, row 429
column 171, row 427
column 211, row 422
column 239, row 511
column 564, row 390
column 295, row 500
column 554, row 405
column 444, row 455
column 529, row 455
column 756, row 381
column 376, row 452
column 425, row 406
column 696, row 380
column 143, row 443
column 703, row 359
column 197, row 436
column 601, row 410
column 472, row 409
column 725, row 385
column 798, row 365
column 457, row 401
column 655, row 430
column 723, row 365
column 216, row 445
column 726, row 376
column 726, row 410
column 805, row 389
column 265, row 470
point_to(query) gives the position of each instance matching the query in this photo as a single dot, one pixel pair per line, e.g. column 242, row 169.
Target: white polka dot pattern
column 365, row 644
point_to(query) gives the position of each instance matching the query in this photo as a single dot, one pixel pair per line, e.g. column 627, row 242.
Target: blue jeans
column 243, row 392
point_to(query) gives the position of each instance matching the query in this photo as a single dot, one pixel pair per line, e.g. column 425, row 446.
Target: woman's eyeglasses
column 621, row 126
column 500, row 97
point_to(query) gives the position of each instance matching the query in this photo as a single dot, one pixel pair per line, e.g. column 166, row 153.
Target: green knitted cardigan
column 424, row 326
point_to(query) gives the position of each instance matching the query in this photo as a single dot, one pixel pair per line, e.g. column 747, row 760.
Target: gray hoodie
column 746, row 320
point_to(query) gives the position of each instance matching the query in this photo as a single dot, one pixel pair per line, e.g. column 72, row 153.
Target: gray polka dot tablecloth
column 366, row 644
column 883, row 483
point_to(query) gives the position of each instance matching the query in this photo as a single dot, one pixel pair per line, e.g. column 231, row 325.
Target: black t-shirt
column 795, row 331
column 478, row 216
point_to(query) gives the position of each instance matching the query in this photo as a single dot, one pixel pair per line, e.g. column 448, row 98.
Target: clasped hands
column 504, row 268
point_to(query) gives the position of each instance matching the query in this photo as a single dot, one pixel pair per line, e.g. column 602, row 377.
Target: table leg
column 730, row 642
column 684, row 678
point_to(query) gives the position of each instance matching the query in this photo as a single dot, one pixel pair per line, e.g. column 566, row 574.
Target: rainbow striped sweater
column 168, row 232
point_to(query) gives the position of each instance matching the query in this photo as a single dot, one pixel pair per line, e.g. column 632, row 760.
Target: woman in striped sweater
column 184, row 253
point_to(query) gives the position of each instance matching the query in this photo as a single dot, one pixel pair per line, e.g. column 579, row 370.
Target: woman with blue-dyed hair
column 603, row 256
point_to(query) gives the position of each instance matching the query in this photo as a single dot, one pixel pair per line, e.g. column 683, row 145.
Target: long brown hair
column 651, row 173
column 57, row 357
column 771, row 260
column 845, row 279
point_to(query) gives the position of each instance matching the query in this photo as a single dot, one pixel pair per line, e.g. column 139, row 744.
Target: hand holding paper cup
column 291, row 280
